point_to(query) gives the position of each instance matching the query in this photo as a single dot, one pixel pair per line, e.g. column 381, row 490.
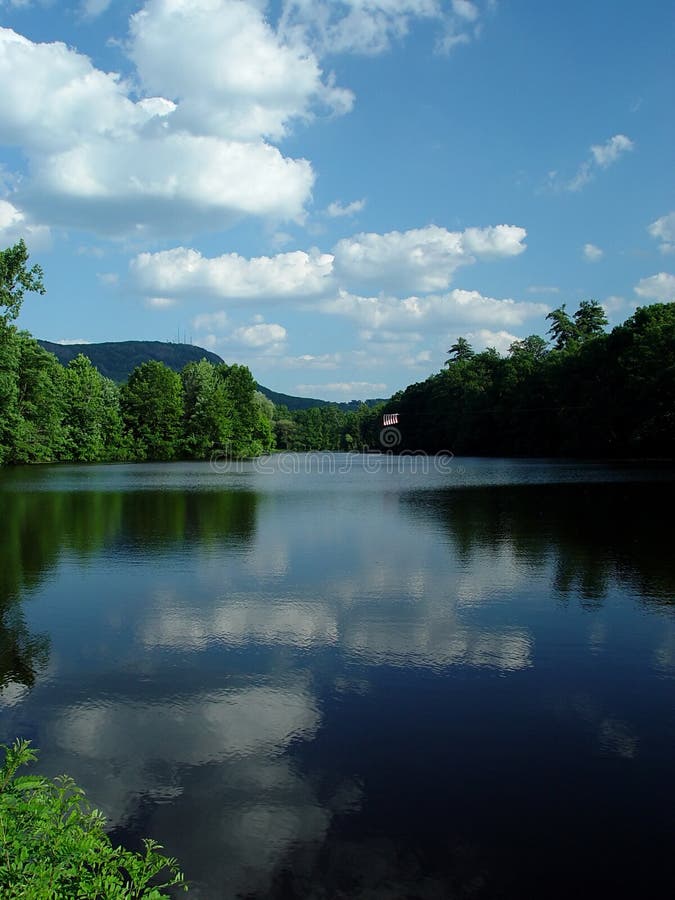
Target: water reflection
column 347, row 690
column 596, row 534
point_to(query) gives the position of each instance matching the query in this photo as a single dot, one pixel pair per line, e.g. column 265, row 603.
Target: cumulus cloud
column 100, row 160
column 53, row 98
column 601, row 157
column 216, row 331
column 434, row 311
column 659, row 287
column 337, row 209
column 261, row 335
column 228, row 69
column 663, row 230
column 591, row 253
column 422, row 259
column 182, row 271
column 482, row 338
column 176, row 183
column 183, row 145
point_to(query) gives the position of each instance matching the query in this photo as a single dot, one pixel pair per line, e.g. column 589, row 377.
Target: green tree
column 460, row 350
column 532, row 347
column 16, row 279
column 563, row 330
column 590, row 319
column 38, row 434
column 207, row 421
column 84, row 411
column 116, row 444
column 10, row 356
column 152, row 410
column 246, row 439
column 263, row 429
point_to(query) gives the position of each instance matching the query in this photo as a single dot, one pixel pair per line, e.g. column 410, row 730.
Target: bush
column 54, row 846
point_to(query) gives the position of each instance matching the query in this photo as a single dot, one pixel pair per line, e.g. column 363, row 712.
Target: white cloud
column 53, row 98
column 166, row 184
column 465, row 10
column 181, row 272
column 370, row 26
column 484, row 337
column 663, row 230
column 66, row 342
column 261, row 335
column 180, row 146
column 100, row 160
column 659, row 287
column 312, row 361
column 591, row 253
column 343, row 389
column 231, row 74
column 609, row 152
column 14, row 225
column 602, row 156
column 422, row 259
column 268, row 336
column 337, row 209
column 354, row 26
column 581, row 179
column 427, row 314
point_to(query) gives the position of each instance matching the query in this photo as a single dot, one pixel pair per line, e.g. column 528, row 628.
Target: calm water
column 357, row 679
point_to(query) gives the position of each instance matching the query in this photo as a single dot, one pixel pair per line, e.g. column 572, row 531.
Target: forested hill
column 117, row 359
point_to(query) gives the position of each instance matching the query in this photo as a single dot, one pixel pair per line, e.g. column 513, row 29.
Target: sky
column 333, row 191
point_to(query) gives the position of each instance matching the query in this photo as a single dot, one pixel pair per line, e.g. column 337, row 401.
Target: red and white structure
column 390, row 419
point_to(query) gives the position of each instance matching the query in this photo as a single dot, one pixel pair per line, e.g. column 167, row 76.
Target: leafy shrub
column 53, row 845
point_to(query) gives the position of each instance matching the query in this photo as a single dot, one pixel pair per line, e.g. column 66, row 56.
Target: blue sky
column 332, row 192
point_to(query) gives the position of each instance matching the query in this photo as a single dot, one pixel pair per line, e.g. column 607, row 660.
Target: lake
column 355, row 676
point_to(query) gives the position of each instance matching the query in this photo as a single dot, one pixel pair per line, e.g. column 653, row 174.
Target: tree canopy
column 16, row 278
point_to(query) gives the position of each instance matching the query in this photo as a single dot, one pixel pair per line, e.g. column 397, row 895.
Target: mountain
column 116, row 359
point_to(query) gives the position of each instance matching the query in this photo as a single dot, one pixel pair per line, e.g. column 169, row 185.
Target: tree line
column 328, row 428
column 585, row 393
column 581, row 392
column 51, row 413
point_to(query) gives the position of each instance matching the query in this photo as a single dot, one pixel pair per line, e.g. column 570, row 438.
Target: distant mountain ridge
column 117, row 359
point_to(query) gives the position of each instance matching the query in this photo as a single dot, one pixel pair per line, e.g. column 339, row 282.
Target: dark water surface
column 357, row 677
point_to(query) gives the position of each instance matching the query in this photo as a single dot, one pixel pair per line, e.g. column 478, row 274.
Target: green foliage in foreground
column 53, row 844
